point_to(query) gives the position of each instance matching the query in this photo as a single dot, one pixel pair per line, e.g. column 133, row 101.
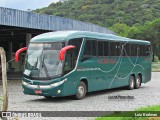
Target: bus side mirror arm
column 63, row 51
column 16, row 57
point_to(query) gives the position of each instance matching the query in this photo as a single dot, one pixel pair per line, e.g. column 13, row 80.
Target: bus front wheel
column 81, row 91
column 138, row 82
column 131, row 83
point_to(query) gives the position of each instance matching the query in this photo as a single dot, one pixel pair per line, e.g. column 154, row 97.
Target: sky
column 26, row 4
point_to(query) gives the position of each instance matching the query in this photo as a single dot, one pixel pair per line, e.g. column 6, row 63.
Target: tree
column 121, row 29
column 149, row 31
column 128, row 12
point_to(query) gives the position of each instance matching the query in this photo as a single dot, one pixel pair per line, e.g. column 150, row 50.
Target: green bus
column 66, row 63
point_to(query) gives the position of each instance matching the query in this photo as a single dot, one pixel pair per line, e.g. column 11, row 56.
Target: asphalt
column 148, row 94
column 12, row 76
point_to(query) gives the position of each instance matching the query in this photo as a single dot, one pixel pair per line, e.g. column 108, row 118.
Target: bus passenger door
column 70, row 62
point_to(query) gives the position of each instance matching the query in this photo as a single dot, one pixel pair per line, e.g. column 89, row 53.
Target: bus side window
column 112, row 48
column 118, row 48
column 136, row 49
column 115, row 48
column 100, row 48
column 142, row 50
column 106, row 48
column 133, row 50
column 90, row 49
column 127, row 49
column 148, row 50
column 103, row 48
column 94, row 48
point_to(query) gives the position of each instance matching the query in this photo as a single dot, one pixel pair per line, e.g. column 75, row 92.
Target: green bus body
column 110, row 70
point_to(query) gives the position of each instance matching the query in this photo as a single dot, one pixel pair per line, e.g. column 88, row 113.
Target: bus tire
column 131, row 83
column 138, row 82
column 81, row 91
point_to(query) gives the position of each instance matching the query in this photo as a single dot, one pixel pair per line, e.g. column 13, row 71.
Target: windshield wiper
column 45, row 68
column 36, row 63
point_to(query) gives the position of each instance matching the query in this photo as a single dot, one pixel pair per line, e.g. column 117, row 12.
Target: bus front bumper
column 54, row 89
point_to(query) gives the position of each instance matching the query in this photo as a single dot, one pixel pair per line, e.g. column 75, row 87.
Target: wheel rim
column 132, row 83
column 138, row 82
column 80, row 91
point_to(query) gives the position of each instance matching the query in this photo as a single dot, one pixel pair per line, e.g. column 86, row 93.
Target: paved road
column 148, row 94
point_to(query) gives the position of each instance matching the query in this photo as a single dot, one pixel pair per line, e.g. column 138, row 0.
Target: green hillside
column 106, row 12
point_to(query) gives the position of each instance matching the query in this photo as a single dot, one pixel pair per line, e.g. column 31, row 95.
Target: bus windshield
column 42, row 60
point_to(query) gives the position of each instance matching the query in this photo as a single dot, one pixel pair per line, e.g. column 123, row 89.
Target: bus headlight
column 24, row 83
column 58, row 83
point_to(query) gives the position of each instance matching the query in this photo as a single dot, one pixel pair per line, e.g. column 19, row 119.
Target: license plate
column 38, row 91
column 27, row 72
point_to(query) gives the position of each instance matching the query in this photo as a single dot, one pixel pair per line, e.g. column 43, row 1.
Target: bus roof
column 66, row 35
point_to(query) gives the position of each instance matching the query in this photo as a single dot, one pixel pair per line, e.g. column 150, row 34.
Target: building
column 18, row 27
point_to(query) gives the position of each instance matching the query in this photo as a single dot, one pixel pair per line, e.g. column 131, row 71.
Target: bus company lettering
column 106, row 61
column 88, row 69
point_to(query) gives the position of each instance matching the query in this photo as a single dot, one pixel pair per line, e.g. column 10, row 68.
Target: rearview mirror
column 63, row 51
column 16, row 57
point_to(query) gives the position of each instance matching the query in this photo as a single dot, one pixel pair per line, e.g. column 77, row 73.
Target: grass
column 155, row 66
column 121, row 116
column 149, row 108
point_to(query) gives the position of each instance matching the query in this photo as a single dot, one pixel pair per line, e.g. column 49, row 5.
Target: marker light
column 58, row 91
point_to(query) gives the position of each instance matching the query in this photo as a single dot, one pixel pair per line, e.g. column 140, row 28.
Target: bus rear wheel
column 81, row 91
column 131, row 83
column 138, row 82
